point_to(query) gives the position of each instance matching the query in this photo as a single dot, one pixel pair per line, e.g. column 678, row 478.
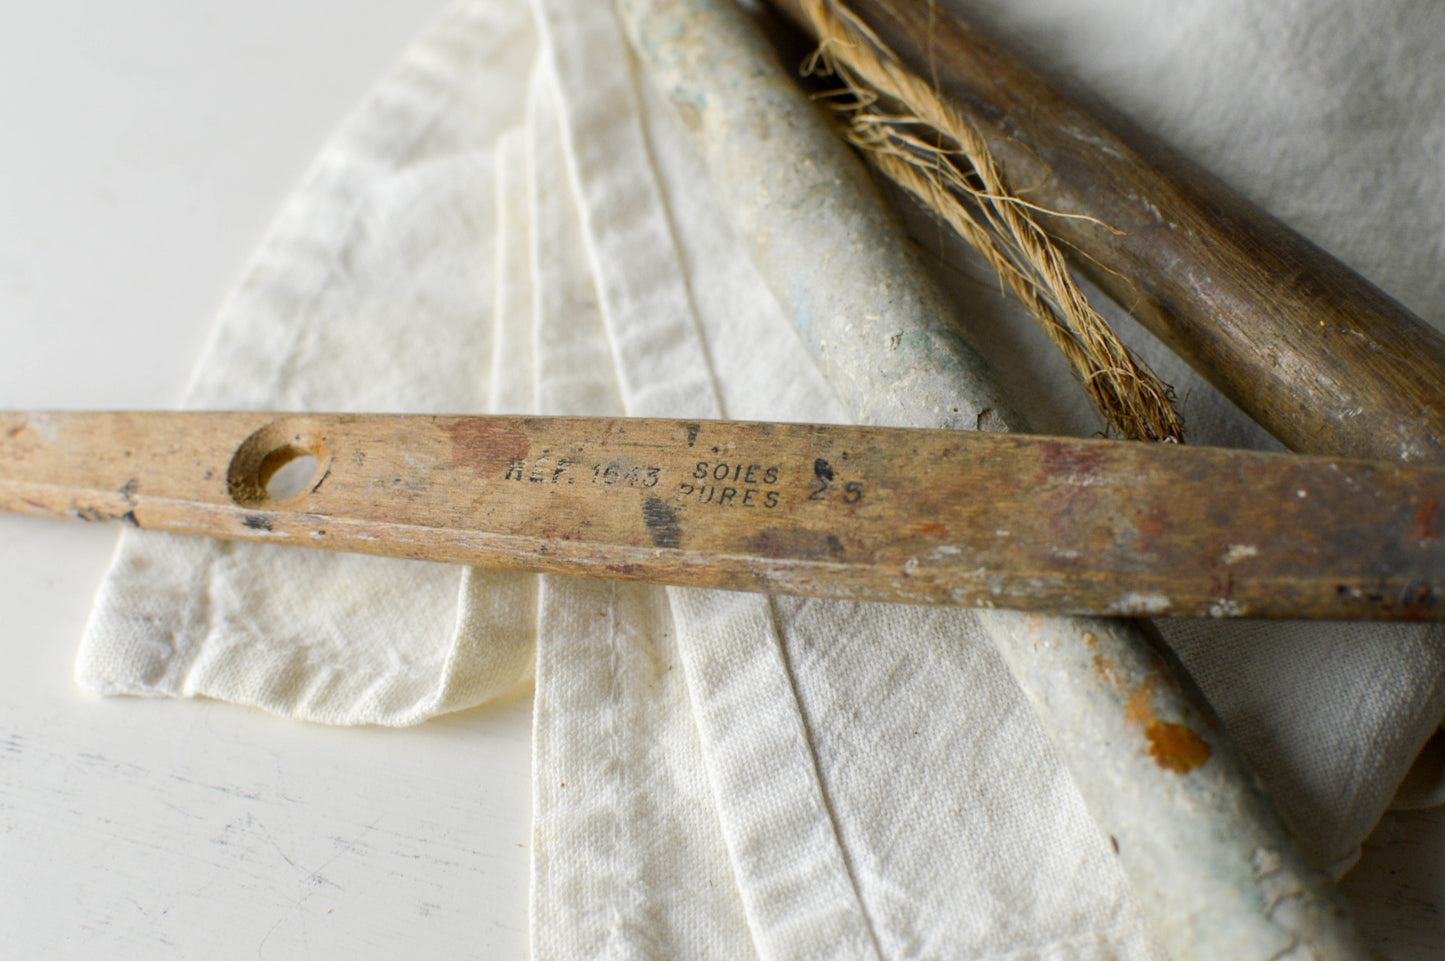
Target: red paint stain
column 1222, row 588
column 485, row 445
column 1419, row 601
column 933, row 529
column 783, row 544
column 1072, row 463
column 1427, row 520
column 1153, row 522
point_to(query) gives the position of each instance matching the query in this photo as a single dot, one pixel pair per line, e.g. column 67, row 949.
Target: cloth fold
column 372, row 292
column 514, row 221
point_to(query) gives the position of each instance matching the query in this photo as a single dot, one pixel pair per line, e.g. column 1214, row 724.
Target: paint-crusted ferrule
column 834, row 253
column 1203, row 846
column 1213, row 866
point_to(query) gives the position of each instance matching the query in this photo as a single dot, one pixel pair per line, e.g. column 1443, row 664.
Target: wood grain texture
column 922, row 516
column 1323, row 360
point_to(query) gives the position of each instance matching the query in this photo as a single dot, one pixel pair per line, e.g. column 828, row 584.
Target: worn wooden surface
column 1323, row 360
column 1048, row 524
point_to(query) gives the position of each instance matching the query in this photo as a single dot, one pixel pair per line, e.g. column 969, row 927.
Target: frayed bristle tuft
column 916, row 140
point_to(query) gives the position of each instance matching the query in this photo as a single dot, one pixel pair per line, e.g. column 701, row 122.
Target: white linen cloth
column 512, row 221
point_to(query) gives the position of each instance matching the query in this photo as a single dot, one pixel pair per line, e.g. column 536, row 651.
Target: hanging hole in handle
column 287, row 472
column 279, row 462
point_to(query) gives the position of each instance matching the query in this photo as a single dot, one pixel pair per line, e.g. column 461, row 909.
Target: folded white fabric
column 373, row 292
column 513, row 221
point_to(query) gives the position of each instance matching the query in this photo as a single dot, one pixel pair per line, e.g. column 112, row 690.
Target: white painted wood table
column 145, row 147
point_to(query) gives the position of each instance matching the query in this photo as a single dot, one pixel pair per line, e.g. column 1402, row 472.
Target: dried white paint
column 1224, row 607
column 42, row 426
column 1238, row 552
column 1135, row 603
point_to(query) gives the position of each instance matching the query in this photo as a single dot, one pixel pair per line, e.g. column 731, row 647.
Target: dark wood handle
column 1323, row 360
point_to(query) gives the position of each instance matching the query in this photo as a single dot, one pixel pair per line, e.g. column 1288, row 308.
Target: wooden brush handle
column 1323, row 360
column 881, row 514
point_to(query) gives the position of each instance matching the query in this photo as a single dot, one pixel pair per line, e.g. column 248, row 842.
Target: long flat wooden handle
column 934, row 517
column 1318, row 356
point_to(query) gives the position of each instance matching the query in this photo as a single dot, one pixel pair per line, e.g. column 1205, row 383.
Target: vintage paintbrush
column 1313, row 352
column 864, row 513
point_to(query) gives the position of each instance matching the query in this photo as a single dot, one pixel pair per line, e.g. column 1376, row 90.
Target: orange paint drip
column 1175, row 747
column 1105, row 669
column 1139, row 709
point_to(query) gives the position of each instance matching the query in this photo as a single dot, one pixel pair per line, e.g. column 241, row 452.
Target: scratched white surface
column 143, row 147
